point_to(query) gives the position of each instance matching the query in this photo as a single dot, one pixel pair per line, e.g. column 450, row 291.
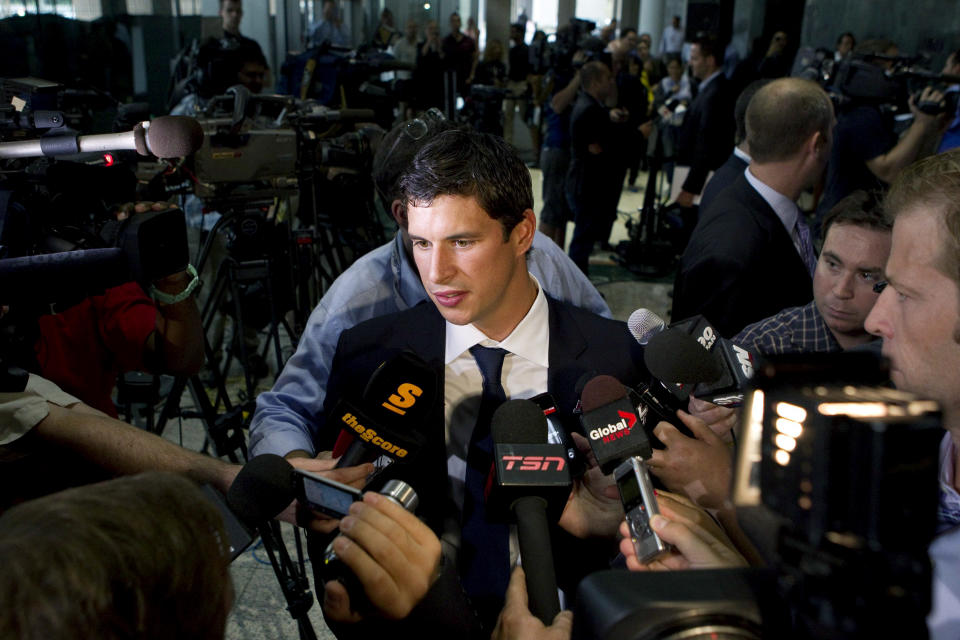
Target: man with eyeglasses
column 383, row 281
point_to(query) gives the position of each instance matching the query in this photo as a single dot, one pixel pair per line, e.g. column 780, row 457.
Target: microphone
column 263, row 488
column 398, row 398
column 615, row 426
column 163, row 137
column 531, row 481
column 644, row 324
column 676, row 357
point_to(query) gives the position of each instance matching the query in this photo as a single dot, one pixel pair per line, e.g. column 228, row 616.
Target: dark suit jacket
column 592, row 178
column 741, row 265
column 580, row 343
column 725, row 176
column 706, row 136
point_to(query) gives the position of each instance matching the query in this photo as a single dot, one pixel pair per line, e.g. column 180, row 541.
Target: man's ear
column 399, row 213
column 524, row 231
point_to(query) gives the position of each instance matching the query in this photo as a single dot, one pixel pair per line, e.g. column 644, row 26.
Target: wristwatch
column 169, row 298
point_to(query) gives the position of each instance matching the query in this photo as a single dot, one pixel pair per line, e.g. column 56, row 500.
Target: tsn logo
column 405, row 397
column 533, row 463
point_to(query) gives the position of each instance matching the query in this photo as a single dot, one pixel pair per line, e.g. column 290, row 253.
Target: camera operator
column 918, row 315
column 329, row 28
column 595, row 176
column 231, row 13
column 244, row 65
column 518, row 82
column 84, row 346
column 563, row 84
column 951, row 137
column 866, row 153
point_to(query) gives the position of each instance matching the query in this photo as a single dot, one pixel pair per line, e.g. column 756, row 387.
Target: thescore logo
column 369, row 435
column 619, row 429
column 405, row 397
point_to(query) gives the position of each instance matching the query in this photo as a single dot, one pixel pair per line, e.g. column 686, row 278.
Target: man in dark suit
column 733, row 168
column 707, row 132
column 751, row 254
column 469, row 206
column 595, row 176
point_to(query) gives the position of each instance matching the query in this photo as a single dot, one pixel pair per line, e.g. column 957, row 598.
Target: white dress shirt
column 785, row 208
column 524, row 375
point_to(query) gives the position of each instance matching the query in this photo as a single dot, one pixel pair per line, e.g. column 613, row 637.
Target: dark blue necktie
column 484, row 546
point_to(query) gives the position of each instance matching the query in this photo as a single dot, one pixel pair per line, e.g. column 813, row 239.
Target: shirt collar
column 530, row 339
column 709, row 79
column 784, row 207
column 743, row 155
column 406, row 280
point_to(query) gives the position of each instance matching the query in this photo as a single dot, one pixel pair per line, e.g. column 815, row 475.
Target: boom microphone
column 163, row 137
column 532, row 481
column 398, row 399
column 615, row 427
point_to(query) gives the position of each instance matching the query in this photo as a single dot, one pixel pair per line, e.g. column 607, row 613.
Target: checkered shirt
column 793, row 330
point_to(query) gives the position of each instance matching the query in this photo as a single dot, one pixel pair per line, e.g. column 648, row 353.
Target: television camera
column 836, row 480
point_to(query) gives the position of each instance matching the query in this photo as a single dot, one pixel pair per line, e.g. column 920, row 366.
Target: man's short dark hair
column 710, row 47
column 627, row 31
column 844, row 35
column 137, row 557
column 397, row 149
column 740, row 108
column 593, row 72
column 470, row 164
column 861, row 208
column 783, row 115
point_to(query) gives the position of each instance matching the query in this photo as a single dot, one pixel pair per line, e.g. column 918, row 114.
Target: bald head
column 783, row 115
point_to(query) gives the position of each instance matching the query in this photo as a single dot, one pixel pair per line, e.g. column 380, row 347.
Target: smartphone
column 639, row 504
column 324, row 495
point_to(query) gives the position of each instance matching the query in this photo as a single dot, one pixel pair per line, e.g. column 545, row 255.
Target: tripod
column 647, row 253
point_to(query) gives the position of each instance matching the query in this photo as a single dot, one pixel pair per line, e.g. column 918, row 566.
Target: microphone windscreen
column 174, row 136
column 674, row 356
column 644, row 324
column 519, row 422
column 599, row 391
column 262, row 489
column 401, row 392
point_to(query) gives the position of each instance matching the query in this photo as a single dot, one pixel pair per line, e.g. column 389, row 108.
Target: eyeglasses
column 418, row 128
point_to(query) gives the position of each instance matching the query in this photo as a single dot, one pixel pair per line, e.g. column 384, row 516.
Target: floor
column 260, row 608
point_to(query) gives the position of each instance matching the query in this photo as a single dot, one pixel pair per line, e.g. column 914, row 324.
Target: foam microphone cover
column 644, row 324
column 262, row 489
column 519, row 422
column 674, row 356
column 174, row 136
